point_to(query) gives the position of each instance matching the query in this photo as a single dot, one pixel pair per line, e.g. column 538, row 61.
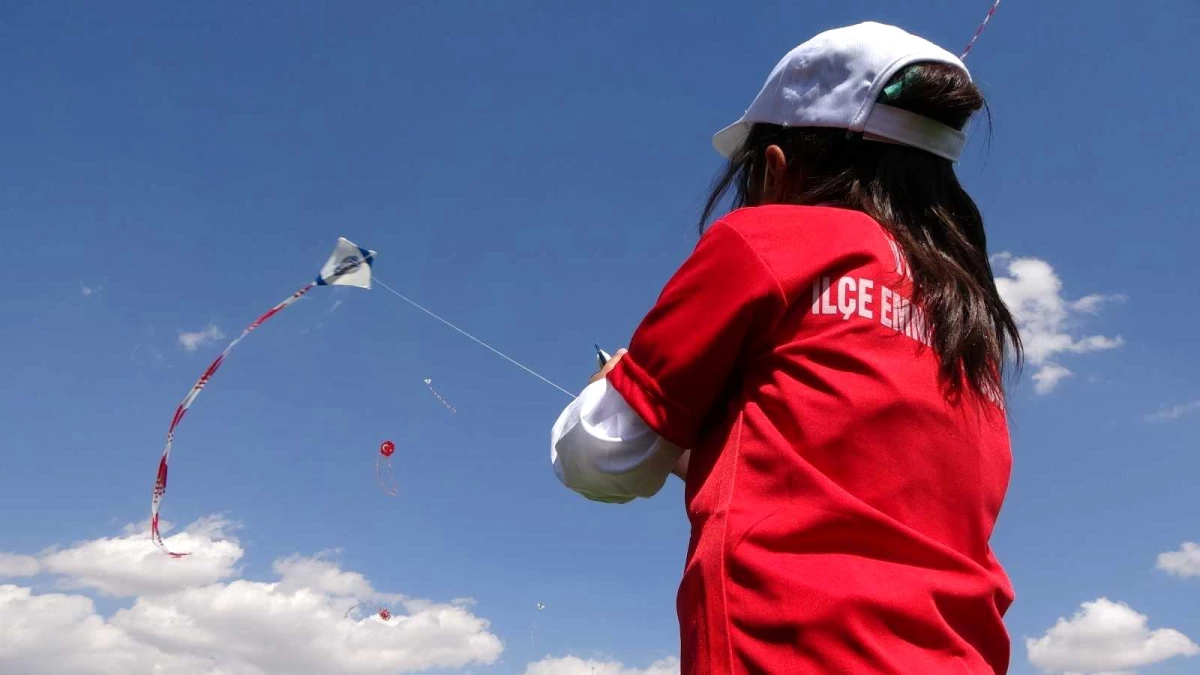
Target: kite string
column 979, row 31
column 495, row 351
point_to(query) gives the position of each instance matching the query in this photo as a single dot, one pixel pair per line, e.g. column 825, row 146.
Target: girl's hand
column 612, row 363
column 681, row 465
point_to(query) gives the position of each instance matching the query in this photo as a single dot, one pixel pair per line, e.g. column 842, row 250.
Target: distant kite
column 381, row 612
column 533, row 629
column 349, row 265
column 383, row 464
column 429, row 383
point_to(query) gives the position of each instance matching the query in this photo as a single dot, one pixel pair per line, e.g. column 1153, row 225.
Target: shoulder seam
column 762, row 261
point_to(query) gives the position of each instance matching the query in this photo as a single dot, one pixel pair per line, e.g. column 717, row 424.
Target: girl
column 831, row 354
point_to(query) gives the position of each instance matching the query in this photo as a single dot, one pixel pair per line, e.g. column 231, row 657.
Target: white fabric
column 603, row 450
column 834, row 80
column 352, row 262
column 894, row 125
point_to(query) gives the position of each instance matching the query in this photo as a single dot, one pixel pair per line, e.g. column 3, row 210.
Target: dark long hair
column 917, row 197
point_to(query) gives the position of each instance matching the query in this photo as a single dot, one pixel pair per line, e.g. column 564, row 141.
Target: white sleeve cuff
column 602, row 449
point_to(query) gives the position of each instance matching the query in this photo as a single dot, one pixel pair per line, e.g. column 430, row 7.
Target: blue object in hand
column 602, row 356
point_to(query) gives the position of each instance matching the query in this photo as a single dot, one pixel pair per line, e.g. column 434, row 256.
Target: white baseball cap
column 834, row 80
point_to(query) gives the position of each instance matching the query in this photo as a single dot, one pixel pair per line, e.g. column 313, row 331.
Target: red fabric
column 841, row 506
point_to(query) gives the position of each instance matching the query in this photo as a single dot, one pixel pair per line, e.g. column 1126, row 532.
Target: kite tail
column 381, row 612
column 429, row 383
column 388, row 485
column 347, row 614
column 160, row 482
column 979, row 31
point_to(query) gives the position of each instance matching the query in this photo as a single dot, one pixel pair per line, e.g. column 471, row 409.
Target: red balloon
column 384, row 614
column 387, row 448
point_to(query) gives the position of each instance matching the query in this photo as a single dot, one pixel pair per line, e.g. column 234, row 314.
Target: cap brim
column 730, row 139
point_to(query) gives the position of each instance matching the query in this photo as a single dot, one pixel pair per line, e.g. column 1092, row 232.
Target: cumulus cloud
column 298, row 572
column 54, row 633
column 258, row 628
column 573, row 665
column 1092, row 304
column 207, row 619
column 200, row 338
column 1105, row 637
column 1047, row 320
column 1048, row 376
column 1174, row 412
column 128, row 566
column 12, row 566
column 1182, row 563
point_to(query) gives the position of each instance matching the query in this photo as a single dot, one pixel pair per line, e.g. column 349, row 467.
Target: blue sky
column 533, row 172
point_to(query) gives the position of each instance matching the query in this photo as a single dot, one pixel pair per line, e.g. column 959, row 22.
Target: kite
column 348, row 265
column 533, row 628
column 383, row 463
column 381, row 612
column 429, row 383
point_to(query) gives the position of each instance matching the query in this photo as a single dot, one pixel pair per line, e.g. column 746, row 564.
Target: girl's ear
column 775, row 176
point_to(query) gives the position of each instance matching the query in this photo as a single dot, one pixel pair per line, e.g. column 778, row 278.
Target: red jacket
column 840, row 504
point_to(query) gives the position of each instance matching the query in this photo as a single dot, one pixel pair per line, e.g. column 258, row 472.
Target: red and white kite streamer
column 979, row 31
column 349, row 265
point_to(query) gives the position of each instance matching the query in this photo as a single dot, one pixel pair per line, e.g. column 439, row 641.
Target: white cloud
column 88, row 291
column 200, row 338
column 130, row 566
column 1182, row 563
column 198, row 621
column 1033, row 292
column 1048, row 376
column 1105, row 637
column 53, row 633
column 573, row 665
column 336, row 304
column 259, row 628
column 1174, row 412
column 1091, row 304
column 18, row 566
column 297, row 572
